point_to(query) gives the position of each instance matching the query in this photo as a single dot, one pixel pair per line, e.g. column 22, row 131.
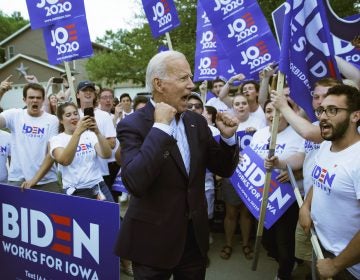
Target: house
column 25, row 54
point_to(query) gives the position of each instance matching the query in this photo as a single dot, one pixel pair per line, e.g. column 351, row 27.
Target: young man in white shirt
column 31, row 128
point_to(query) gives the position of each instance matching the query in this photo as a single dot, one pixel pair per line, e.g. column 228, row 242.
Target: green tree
column 132, row 49
column 9, row 25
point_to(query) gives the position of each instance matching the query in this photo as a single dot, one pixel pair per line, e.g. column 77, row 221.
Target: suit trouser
column 279, row 241
column 192, row 265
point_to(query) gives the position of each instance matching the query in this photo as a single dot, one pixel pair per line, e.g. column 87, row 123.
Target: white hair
column 157, row 67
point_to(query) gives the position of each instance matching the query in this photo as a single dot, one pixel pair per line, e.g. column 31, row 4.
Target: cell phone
column 58, row 80
column 89, row 111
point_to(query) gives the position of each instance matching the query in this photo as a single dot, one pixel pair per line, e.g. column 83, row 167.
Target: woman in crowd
column 75, row 150
column 279, row 240
column 233, row 204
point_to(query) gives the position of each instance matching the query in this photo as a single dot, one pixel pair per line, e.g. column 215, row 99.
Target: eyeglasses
column 196, row 105
column 329, row 111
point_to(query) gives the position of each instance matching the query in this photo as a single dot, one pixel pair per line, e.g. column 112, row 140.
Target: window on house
column 11, row 52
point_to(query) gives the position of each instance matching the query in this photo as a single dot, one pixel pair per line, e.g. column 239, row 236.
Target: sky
column 101, row 15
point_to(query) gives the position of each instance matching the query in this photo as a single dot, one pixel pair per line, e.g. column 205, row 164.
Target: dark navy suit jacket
column 164, row 197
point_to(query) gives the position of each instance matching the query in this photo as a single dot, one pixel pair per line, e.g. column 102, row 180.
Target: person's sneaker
column 295, row 267
column 124, row 197
column 211, row 239
column 126, row 267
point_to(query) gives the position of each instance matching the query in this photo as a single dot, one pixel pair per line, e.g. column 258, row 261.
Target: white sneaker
column 124, row 197
column 211, row 239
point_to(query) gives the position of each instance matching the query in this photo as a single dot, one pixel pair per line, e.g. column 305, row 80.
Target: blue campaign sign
column 47, row 12
column 162, row 16
column 55, row 236
column 248, row 181
column 211, row 60
column 343, row 30
column 68, row 40
column 244, row 138
column 306, row 56
column 244, row 33
column 278, row 19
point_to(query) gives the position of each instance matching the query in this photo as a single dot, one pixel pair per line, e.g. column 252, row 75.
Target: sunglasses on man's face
column 196, row 105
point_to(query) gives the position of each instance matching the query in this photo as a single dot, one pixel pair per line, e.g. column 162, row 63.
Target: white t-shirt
column 29, row 139
column 83, row 172
column 107, row 129
column 335, row 207
column 5, row 152
column 288, row 142
column 310, row 149
column 217, row 104
column 251, row 122
column 259, row 114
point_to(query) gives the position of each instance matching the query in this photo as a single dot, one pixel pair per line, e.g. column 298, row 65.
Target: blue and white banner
column 211, row 60
column 68, row 40
column 244, row 34
column 244, row 138
column 307, row 51
column 55, row 236
column 248, row 181
column 162, row 16
column 343, row 31
column 47, row 12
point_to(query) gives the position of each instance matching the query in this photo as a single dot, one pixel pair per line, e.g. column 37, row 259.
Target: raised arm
column 224, row 92
column 5, row 85
column 65, row 155
column 104, row 145
column 265, row 75
column 302, row 126
column 349, row 70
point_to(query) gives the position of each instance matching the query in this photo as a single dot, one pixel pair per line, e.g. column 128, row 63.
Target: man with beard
column 335, row 195
column 31, row 128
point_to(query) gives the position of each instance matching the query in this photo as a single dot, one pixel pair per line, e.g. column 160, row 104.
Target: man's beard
column 338, row 130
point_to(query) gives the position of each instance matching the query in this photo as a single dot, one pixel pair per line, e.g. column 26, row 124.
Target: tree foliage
column 133, row 49
column 9, row 25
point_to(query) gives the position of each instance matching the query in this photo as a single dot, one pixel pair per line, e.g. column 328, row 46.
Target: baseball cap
column 85, row 84
column 196, row 96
